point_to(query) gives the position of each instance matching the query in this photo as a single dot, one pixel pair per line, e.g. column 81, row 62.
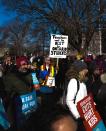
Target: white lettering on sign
column 27, row 98
column 23, row 100
column 32, row 103
column 92, row 121
column 85, row 101
column 25, row 106
column 86, row 107
column 89, row 114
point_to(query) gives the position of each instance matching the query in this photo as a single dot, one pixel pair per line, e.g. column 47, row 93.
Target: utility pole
column 100, row 32
column 43, row 41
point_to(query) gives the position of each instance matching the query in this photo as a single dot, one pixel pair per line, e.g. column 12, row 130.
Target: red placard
column 88, row 112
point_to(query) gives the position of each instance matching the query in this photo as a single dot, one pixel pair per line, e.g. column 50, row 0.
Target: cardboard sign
column 89, row 114
column 50, row 81
column 58, row 46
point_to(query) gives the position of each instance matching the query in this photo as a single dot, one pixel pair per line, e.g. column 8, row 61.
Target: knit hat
column 21, row 61
column 80, row 65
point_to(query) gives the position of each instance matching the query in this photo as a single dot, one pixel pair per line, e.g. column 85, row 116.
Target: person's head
column 7, row 60
column 22, row 64
column 98, row 69
column 103, row 77
column 79, row 56
column 65, row 123
column 47, row 60
column 51, row 118
column 78, row 70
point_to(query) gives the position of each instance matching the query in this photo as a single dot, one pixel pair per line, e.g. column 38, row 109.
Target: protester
column 8, row 65
column 51, row 118
column 76, row 89
column 33, row 55
column 94, row 81
column 60, row 76
column 38, row 59
column 101, row 97
column 47, row 81
column 2, row 90
column 1, row 70
column 17, row 84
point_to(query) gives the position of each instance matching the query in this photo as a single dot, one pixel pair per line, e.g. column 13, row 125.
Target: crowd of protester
column 40, row 74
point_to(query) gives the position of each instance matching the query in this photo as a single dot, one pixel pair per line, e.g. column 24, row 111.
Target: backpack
column 63, row 98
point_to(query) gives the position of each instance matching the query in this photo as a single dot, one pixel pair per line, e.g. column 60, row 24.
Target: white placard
column 58, row 46
column 50, row 81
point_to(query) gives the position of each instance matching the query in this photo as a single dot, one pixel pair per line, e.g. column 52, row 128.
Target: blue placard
column 29, row 102
column 34, row 78
column 100, row 127
column 25, row 105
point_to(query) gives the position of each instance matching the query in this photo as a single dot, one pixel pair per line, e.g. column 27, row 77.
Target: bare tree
column 70, row 17
column 3, row 37
column 18, row 33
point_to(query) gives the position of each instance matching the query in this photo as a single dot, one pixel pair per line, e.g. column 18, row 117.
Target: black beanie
column 80, row 65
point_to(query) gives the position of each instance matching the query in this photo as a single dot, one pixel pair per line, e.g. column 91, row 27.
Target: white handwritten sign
column 58, row 46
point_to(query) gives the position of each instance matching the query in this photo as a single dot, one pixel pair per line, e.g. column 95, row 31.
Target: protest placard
column 29, row 102
column 25, row 105
column 92, row 120
column 58, row 46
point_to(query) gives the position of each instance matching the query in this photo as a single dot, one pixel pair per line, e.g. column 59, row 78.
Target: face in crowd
column 8, row 60
column 47, row 61
column 81, row 68
column 22, row 64
column 23, row 67
column 83, row 75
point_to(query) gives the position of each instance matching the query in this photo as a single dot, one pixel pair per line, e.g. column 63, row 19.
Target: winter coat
column 17, row 83
column 101, row 96
column 71, row 93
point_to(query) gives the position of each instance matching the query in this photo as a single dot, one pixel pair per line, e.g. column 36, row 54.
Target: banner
column 58, row 46
column 92, row 120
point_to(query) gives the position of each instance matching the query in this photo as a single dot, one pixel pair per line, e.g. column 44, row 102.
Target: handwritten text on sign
column 58, row 48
